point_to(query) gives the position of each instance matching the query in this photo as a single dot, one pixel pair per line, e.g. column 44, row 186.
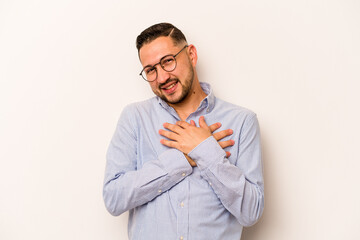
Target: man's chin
column 173, row 99
column 170, row 100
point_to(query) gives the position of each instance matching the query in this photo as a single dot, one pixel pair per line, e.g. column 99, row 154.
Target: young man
column 168, row 167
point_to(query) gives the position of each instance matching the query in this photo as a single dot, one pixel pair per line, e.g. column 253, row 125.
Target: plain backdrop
column 67, row 69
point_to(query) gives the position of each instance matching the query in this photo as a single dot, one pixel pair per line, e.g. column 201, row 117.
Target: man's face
column 173, row 87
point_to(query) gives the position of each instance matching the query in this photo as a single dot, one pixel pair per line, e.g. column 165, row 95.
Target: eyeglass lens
column 168, row 63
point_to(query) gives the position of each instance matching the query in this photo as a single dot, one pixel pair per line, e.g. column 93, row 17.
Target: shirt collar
column 208, row 102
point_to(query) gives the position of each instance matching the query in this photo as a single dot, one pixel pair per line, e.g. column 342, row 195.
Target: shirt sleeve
column 239, row 187
column 126, row 186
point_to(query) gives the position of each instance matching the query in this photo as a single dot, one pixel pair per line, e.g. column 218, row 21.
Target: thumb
column 202, row 122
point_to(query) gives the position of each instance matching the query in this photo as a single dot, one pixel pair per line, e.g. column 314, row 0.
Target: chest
column 148, row 137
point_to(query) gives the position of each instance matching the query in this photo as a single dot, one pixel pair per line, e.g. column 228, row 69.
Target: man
column 168, row 167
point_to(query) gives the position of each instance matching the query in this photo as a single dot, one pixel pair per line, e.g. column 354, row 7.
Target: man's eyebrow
column 149, row 66
column 159, row 61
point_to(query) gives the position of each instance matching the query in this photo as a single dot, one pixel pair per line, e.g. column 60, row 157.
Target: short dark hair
column 159, row 30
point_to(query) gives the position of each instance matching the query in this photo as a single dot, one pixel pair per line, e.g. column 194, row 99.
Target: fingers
column 176, row 128
column 202, row 122
column 214, row 127
column 203, row 125
column 185, row 136
column 184, row 124
column 169, row 134
column 228, row 143
column 168, row 143
column 191, row 162
column 224, row 133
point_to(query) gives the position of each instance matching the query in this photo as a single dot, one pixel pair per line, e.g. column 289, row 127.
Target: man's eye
column 149, row 71
column 167, row 61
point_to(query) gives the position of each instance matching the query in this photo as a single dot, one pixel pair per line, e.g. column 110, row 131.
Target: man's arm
column 126, row 186
column 239, row 187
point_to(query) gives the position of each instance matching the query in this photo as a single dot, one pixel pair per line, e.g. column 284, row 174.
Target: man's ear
column 192, row 54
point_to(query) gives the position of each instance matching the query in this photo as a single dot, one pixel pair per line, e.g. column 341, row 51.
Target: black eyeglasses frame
column 159, row 63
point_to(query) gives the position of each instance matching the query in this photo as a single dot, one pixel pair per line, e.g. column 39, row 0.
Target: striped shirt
column 165, row 196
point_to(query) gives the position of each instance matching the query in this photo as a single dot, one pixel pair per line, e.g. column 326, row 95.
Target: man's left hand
column 185, row 136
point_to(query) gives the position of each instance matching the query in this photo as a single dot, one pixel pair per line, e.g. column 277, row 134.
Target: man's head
column 160, row 30
column 157, row 42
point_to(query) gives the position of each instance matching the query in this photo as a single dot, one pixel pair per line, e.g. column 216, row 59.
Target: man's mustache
column 168, row 81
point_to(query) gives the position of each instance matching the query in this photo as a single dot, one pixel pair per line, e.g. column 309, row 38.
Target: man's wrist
column 207, row 153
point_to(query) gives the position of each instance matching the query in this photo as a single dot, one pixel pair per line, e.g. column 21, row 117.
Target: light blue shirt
column 166, row 197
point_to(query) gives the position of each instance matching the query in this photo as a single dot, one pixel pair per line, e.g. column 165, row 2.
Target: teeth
column 172, row 85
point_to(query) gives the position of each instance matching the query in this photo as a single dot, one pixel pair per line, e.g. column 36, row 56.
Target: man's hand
column 185, row 137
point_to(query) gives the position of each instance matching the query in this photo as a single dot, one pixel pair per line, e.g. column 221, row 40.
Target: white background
column 67, row 68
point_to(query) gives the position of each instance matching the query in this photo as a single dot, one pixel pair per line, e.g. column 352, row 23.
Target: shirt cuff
column 207, row 153
column 175, row 162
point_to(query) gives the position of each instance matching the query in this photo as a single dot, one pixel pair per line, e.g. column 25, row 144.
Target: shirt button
column 181, row 238
column 182, row 204
column 183, row 174
column 210, row 183
column 207, row 110
column 159, row 191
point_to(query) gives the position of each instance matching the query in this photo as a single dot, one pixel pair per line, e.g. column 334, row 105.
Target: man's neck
column 190, row 103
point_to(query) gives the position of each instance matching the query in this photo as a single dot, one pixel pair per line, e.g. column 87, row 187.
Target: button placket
column 183, row 211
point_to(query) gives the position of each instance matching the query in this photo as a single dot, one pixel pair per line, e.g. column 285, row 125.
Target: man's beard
column 186, row 87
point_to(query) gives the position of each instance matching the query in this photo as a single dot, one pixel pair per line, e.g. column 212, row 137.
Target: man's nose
column 163, row 75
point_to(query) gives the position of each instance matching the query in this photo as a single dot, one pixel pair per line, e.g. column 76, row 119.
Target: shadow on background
column 267, row 222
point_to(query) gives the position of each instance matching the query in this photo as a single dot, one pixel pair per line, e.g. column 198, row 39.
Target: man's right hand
column 218, row 136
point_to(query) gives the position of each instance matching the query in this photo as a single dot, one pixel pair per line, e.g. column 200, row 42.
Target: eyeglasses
column 168, row 63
